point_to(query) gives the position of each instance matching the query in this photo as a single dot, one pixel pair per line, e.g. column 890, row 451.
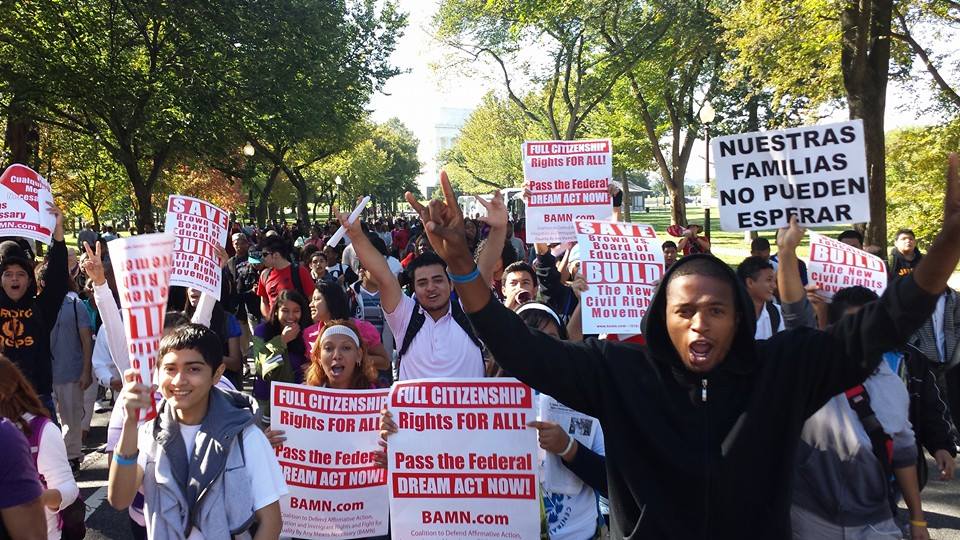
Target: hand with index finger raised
column 443, row 223
column 497, row 215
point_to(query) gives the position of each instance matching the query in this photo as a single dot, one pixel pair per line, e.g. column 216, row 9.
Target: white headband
column 340, row 330
column 539, row 307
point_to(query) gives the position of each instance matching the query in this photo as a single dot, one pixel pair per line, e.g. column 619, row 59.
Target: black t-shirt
column 245, row 278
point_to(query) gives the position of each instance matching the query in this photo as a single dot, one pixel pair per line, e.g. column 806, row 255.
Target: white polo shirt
column 440, row 349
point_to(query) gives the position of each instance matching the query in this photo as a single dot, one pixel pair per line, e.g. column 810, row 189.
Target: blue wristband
column 121, row 460
column 465, row 278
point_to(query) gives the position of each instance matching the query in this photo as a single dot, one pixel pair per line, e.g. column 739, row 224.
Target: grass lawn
column 728, row 246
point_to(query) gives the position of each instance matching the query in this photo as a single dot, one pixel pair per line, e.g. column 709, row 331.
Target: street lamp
column 339, row 182
column 249, row 151
column 707, row 116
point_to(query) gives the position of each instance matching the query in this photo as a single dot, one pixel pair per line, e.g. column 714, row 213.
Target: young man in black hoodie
column 702, row 424
column 905, row 255
column 26, row 317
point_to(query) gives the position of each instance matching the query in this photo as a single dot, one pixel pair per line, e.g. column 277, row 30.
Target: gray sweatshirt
column 837, row 475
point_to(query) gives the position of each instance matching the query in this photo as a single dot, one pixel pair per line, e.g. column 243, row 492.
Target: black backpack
column 774, row 316
column 416, row 323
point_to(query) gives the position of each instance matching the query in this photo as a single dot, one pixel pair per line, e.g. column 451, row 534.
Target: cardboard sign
column 834, row 265
column 622, row 262
column 462, row 464
column 142, row 265
column 24, row 195
column 817, row 173
column 199, row 228
column 336, row 490
column 568, row 181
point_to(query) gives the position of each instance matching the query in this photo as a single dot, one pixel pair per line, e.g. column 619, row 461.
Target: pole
column 706, row 208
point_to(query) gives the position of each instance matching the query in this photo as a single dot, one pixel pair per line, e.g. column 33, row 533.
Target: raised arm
column 788, row 268
column 107, row 306
column 849, row 351
column 571, row 373
column 498, row 220
column 375, row 263
column 55, row 288
column 797, row 310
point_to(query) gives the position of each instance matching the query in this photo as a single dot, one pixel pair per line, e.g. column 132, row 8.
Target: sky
column 418, row 96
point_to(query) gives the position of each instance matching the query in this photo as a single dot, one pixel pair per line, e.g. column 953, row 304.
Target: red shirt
column 400, row 239
column 693, row 246
column 279, row 280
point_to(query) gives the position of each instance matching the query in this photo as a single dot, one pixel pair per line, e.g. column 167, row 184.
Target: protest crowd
column 752, row 402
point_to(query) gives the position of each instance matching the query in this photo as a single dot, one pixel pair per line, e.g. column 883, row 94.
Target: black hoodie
column 25, row 325
column 704, row 457
column 900, row 266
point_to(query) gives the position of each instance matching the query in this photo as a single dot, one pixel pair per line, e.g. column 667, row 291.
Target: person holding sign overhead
column 690, row 419
column 26, row 317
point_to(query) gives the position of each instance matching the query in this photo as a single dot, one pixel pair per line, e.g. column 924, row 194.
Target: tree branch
column 907, row 38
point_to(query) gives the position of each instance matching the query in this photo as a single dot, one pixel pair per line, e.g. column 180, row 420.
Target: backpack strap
column 456, row 310
column 417, row 318
column 775, row 317
column 296, row 279
column 37, row 424
column 882, row 443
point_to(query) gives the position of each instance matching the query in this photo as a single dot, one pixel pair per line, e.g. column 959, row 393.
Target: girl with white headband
column 339, row 359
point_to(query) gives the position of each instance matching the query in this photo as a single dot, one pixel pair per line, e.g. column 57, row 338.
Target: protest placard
column 336, row 490
column 142, row 265
column 462, row 462
column 622, row 263
column 817, row 173
column 834, row 265
column 24, row 195
column 568, row 181
column 199, row 228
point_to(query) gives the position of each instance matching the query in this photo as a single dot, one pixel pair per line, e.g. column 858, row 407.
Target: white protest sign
column 817, row 173
column 24, row 195
column 462, row 462
column 142, row 265
column 834, row 265
column 199, row 228
column 568, row 181
column 621, row 263
column 336, row 490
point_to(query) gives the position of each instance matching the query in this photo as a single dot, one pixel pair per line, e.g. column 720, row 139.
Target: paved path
column 941, row 500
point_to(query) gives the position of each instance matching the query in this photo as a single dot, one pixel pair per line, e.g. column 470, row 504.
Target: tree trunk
column 144, row 208
column 625, row 206
column 871, row 110
column 678, row 205
column 303, row 214
column 22, row 135
column 96, row 219
column 865, row 64
column 261, row 208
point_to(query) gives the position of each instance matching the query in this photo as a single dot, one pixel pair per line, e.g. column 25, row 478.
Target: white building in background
column 447, row 122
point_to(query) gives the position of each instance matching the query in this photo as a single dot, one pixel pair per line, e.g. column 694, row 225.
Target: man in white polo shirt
column 433, row 336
